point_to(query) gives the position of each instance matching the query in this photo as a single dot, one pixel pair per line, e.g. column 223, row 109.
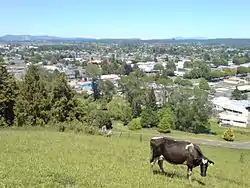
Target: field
column 241, row 134
column 42, row 158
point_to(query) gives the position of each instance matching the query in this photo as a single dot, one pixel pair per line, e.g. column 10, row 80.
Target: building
column 146, row 66
column 232, row 112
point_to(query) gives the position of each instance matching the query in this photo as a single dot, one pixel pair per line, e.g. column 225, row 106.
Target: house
column 146, row 66
column 232, row 112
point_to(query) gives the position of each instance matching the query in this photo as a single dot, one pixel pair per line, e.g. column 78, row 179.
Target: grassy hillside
column 52, row 159
column 241, row 134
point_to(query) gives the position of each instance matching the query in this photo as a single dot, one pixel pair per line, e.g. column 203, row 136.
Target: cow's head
column 204, row 164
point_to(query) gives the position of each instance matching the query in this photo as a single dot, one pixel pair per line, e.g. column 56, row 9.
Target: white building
column 232, row 112
column 180, row 64
column 146, row 66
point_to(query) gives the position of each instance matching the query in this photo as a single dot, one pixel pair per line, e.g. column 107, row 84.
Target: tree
column 203, row 84
column 98, row 118
column 92, row 70
column 120, row 110
column 127, row 69
column 238, row 95
column 95, row 88
column 107, row 89
column 166, row 121
column 159, row 67
column 206, row 57
column 134, row 89
column 32, row 104
column 106, row 67
column 170, row 68
column 135, row 124
column 8, row 94
column 191, row 110
column 62, row 100
column 243, row 70
column 149, row 118
column 166, row 90
column 152, row 99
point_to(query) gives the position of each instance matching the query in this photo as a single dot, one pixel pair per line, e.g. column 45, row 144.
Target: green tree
column 149, row 118
column 169, row 69
column 206, row 57
column 32, row 104
column 159, row 67
column 203, row 84
column 8, row 93
column 62, row 100
column 134, row 89
column 93, row 70
column 98, row 118
column 152, row 99
column 135, row 124
column 238, row 95
column 107, row 89
column 36, row 58
column 120, row 110
column 166, row 121
column 191, row 109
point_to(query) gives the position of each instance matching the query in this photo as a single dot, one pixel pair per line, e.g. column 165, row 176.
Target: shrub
column 99, row 118
column 228, row 135
column 149, row 118
column 166, row 121
column 120, row 110
column 135, row 124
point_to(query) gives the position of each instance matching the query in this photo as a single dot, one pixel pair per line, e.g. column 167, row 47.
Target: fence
column 147, row 136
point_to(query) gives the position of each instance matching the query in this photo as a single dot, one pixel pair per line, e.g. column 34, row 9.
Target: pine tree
column 149, row 118
column 152, row 99
column 95, row 89
column 8, row 93
column 62, row 101
column 32, row 106
column 166, row 121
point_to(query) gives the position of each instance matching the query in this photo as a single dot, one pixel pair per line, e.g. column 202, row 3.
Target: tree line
column 45, row 98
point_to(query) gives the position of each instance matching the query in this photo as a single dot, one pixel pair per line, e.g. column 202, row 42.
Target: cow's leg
column 152, row 159
column 160, row 163
column 189, row 173
column 152, row 162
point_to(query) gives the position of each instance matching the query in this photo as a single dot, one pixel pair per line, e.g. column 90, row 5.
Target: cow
column 178, row 153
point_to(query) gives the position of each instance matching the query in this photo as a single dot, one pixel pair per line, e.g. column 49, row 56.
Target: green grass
column 42, row 158
column 241, row 134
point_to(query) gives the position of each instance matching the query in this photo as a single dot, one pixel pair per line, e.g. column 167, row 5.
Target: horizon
column 144, row 20
column 125, row 38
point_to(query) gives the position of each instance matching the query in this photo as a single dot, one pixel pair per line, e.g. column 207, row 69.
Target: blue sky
column 127, row 19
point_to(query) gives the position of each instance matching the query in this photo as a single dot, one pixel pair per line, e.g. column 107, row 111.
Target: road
column 218, row 143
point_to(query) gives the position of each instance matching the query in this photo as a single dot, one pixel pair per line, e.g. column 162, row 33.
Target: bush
column 149, row 118
column 228, row 135
column 135, row 124
column 120, row 110
column 166, row 121
column 99, row 118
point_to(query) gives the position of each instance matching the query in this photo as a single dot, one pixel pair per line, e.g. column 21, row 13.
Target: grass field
column 241, row 134
column 51, row 159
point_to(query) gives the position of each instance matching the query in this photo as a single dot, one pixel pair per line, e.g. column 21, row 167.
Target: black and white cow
column 177, row 153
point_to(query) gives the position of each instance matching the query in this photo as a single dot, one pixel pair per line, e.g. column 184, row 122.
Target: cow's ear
column 211, row 163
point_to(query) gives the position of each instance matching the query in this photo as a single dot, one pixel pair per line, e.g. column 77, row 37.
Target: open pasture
column 31, row 158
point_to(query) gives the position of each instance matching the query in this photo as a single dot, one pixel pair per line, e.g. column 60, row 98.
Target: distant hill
column 32, row 38
column 177, row 40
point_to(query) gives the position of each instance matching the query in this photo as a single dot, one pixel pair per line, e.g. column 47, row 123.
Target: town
column 100, row 113
column 228, row 82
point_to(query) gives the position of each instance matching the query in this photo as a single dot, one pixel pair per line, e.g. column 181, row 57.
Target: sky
column 145, row 19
